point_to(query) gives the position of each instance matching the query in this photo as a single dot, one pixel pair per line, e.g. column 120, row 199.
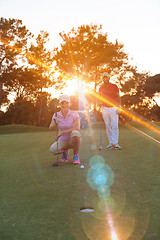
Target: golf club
column 56, row 163
column 100, row 126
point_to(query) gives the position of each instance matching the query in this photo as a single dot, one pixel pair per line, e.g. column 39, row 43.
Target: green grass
column 7, row 129
column 38, row 201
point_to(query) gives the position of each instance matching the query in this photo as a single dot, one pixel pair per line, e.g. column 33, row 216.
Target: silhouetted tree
column 152, row 86
column 13, row 43
column 86, row 52
column 139, row 90
column 20, row 112
column 41, row 61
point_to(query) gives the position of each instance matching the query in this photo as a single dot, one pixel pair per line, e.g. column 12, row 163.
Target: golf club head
column 55, row 164
column 100, row 148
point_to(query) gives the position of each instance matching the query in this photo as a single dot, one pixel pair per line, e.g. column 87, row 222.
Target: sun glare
column 73, row 87
column 113, row 235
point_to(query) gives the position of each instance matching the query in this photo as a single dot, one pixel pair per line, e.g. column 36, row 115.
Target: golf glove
column 55, row 119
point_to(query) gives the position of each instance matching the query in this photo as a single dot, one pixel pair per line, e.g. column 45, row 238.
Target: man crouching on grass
column 69, row 136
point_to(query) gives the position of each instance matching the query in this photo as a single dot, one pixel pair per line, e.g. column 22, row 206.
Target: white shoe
column 116, row 146
column 110, row 146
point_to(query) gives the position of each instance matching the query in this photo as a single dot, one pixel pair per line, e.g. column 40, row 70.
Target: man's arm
column 118, row 99
column 118, row 102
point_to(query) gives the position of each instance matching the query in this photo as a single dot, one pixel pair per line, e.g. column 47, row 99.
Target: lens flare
column 141, row 132
column 100, row 177
column 28, row 56
column 97, row 161
column 103, row 192
column 99, row 173
column 110, row 222
column 127, row 112
column 120, row 215
column 89, row 132
column 93, row 147
column 113, row 235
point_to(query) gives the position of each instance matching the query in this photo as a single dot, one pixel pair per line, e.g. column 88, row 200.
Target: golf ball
column 82, row 166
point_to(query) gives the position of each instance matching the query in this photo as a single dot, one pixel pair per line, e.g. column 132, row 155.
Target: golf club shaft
column 57, row 150
column 56, row 136
column 100, row 125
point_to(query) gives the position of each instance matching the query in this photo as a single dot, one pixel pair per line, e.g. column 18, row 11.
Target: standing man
column 110, row 112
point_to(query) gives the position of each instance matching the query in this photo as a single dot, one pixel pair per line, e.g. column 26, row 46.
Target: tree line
column 28, row 68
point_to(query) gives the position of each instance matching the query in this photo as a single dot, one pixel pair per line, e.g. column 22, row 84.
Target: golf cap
column 105, row 74
column 64, row 98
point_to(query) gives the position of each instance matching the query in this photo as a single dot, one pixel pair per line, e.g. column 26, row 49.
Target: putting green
column 39, row 201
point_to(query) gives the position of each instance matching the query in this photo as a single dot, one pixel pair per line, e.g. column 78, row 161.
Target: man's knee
column 115, row 127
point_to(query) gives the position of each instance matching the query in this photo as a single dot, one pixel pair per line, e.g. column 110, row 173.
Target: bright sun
column 73, row 87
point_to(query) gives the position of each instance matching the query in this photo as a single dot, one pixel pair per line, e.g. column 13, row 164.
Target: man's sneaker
column 116, row 146
column 110, row 146
column 64, row 157
column 76, row 159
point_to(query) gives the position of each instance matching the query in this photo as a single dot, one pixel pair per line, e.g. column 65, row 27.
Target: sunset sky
column 133, row 23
